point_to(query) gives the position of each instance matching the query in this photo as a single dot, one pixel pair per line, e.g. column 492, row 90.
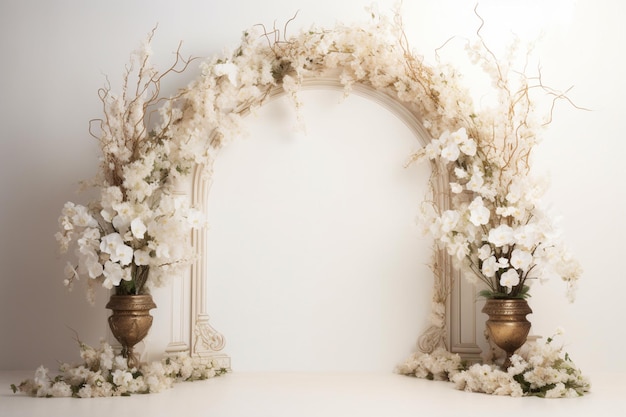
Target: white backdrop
column 314, row 258
column 55, row 56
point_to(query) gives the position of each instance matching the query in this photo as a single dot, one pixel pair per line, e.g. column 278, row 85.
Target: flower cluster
column 540, row 369
column 440, row 365
column 104, row 374
column 136, row 233
column 495, row 227
column 125, row 245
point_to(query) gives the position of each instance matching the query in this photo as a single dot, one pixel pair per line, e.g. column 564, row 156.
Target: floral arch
column 372, row 61
column 483, row 206
column 136, row 236
column 208, row 341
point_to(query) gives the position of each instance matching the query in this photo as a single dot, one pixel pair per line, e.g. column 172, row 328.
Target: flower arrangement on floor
column 104, row 374
column 538, row 369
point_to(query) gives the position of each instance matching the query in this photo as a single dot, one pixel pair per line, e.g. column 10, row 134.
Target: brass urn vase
column 507, row 324
column 130, row 322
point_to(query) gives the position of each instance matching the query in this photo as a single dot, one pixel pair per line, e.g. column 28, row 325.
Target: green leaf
column 14, row 388
column 519, row 378
column 525, row 292
column 486, row 294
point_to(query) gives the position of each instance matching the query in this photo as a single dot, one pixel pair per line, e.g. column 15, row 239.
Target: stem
column 140, row 276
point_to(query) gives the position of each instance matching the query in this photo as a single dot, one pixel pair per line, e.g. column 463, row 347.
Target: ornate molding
column 207, row 340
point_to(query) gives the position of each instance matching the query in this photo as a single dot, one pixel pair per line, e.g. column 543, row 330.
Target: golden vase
column 130, row 322
column 507, row 324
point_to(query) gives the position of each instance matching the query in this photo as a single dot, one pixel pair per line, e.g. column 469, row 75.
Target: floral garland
column 538, row 369
column 104, row 374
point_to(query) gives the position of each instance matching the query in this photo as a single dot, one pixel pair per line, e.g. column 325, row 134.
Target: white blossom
column 449, row 220
column 456, row 188
column 510, row 278
column 142, row 257
column 230, row 70
column 450, row 152
column 521, row 259
column 489, row 267
column 479, row 214
column 501, row 235
column 484, row 252
column 105, row 374
column 138, row 228
column 460, row 173
column 114, row 274
column 114, row 245
column 468, row 147
column 476, row 181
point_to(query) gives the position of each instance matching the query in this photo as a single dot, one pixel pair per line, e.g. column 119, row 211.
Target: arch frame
column 206, row 341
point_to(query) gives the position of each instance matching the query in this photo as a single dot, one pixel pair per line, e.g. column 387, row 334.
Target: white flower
column 510, row 211
column 142, row 257
column 195, row 218
column 228, row 69
column 509, row 279
column 121, row 378
column 138, row 228
column 88, row 262
column 114, row 273
column 456, row 188
column 521, row 259
column 484, row 252
column 465, row 144
column 433, row 149
column 468, row 147
column 458, row 246
column 450, row 152
column 449, row 220
column 460, row 173
column 107, row 215
column 501, row 235
column 110, row 196
column 527, row 236
column 460, row 136
column 41, row 376
column 114, row 245
column 60, row 389
column 476, row 181
column 479, row 214
column 109, row 243
column 489, row 267
column 83, row 218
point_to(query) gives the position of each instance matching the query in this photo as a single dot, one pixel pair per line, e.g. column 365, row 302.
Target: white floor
column 316, row 394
